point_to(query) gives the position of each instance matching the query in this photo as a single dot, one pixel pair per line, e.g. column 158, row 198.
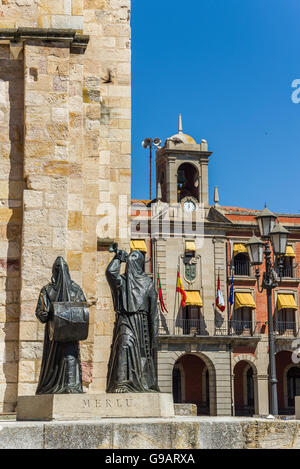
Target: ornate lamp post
column 278, row 235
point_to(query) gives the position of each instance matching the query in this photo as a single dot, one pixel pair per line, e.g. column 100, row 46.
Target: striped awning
column 239, row 248
column 193, row 298
column 286, row 301
column 138, row 245
column 243, row 300
column 289, row 252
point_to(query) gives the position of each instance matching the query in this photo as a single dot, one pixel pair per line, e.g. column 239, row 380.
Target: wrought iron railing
column 201, row 327
column 289, row 271
column 286, row 328
column 241, row 267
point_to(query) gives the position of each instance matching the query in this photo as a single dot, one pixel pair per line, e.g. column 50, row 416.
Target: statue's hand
column 122, row 255
column 43, row 316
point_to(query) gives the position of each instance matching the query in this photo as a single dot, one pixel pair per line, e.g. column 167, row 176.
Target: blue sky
column 228, row 67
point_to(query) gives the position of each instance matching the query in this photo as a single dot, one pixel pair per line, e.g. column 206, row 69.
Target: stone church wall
column 65, row 120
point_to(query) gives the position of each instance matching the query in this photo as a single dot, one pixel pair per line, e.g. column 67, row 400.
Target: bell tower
column 182, row 170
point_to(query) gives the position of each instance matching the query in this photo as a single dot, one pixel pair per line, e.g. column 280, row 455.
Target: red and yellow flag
column 180, row 289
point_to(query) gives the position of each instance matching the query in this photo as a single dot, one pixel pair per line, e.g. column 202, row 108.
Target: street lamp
column 278, row 236
column 148, row 143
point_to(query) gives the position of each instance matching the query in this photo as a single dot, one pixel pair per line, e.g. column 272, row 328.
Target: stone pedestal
column 94, row 406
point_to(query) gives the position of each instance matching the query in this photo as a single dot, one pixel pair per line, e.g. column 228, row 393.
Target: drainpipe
column 230, row 345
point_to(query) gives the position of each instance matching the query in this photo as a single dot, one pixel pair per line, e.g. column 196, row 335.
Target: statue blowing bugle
column 131, row 365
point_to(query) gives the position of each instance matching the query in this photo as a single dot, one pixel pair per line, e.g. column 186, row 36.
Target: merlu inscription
column 105, row 403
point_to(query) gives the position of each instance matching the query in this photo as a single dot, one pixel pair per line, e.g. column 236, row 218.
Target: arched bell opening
column 187, row 182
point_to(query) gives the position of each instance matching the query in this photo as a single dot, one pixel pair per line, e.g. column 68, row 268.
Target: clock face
column 189, row 206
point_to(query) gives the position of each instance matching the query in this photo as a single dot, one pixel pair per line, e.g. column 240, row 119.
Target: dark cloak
column 61, row 367
column 131, row 366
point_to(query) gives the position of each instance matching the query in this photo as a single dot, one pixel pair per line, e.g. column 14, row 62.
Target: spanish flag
column 180, row 289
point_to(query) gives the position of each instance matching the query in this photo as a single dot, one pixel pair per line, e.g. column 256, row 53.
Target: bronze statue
column 131, row 366
column 62, row 307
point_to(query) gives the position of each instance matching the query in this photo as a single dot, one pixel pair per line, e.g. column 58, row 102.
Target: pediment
column 214, row 215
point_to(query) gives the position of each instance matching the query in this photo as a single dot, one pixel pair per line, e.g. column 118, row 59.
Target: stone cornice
column 185, row 153
column 70, row 36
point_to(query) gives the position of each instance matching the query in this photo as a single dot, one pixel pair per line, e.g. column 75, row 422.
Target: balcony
column 285, row 329
column 290, row 272
column 210, row 328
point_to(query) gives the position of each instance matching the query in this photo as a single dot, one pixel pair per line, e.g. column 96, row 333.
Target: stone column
column 263, row 394
column 262, row 376
column 172, row 180
column 47, row 165
column 204, row 184
column 11, row 189
column 221, row 361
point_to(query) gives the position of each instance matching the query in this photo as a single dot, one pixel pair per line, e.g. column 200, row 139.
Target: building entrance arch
column 193, row 382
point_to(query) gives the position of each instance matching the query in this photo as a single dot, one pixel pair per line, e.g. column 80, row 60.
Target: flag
column 220, row 303
column 180, row 289
column 231, row 296
column 161, row 300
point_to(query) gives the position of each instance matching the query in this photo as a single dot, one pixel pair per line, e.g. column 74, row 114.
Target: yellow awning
column 286, row 301
column 289, row 252
column 193, row 298
column 138, row 245
column 190, row 246
column 239, row 249
column 244, row 300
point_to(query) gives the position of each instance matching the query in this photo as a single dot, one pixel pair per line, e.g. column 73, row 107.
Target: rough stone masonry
column 65, row 118
column 175, row 433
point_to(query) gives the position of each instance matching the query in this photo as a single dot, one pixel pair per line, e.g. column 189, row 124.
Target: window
column 193, row 322
column 288, row 263
column 287, row 267
column 241, row 259
column 286, row 321
column 286, row 305
column 241, row 264
column 242, row 322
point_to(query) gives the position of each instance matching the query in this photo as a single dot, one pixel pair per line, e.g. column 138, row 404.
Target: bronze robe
column 61, row 367
column 131, row 366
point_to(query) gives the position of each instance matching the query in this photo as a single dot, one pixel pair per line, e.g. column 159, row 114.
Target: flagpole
column 175, row 301
column 156, row 285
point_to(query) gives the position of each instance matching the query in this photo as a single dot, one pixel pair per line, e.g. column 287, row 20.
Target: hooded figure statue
column 61, row 367
column 131, row 366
